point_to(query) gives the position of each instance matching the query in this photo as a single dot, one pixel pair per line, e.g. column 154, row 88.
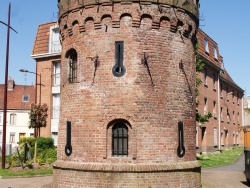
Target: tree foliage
column 38, row 115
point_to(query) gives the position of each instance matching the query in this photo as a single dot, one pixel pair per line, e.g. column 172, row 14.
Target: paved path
column 34, row 182
column 231, row 176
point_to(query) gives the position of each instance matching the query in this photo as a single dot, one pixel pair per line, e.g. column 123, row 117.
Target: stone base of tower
column 92, row 175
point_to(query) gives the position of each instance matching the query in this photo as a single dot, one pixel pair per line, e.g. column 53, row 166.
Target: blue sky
column 225, row 21
column 26, row 15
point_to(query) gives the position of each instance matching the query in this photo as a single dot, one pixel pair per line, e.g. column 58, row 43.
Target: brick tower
column 127, row 94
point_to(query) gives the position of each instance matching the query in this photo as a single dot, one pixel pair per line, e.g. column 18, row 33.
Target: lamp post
column 40, row 90
column 5, row 88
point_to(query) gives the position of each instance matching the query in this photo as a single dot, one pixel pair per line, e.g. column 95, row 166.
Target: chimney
column 11, row 84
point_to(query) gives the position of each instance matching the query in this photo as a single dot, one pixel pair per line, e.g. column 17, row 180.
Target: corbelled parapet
column 65, row 6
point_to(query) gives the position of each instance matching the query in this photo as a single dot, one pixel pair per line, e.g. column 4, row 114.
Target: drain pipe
column 219, row 112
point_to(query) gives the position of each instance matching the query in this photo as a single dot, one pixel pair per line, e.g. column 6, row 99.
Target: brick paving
column 34, row 182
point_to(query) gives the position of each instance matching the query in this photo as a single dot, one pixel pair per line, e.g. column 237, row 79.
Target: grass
column 219, row 159
column 207, row 160
column 18, row 171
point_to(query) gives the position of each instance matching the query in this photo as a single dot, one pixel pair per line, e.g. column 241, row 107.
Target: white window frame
column 56, row 106
column 206, row 45
column 215, row 137
column 215, row 53
column 54, row 40
column 24, row 96
column 13, row 118
column 56, row 74
column 205, row 76
column 54, row 136
column 12, row 137
column 1, row 136
column 205, row 106
column 214, row 110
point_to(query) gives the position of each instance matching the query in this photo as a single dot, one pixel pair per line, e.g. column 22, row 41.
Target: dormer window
column 206, row 46
column 25, row 98
column 215, row 53
column 55, row 45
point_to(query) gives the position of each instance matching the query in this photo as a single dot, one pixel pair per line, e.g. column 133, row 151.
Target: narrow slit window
column 119, row 69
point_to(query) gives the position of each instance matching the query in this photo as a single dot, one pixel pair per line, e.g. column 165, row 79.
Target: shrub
column 45, row 143
column 47, row 156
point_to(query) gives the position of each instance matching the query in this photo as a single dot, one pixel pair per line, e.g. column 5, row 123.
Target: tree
column 38, row 116
column 199, row 67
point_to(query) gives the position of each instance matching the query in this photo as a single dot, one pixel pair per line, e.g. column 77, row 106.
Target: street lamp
column 40, row 91
column 40, row 84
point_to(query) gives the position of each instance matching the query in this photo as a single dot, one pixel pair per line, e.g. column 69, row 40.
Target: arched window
column 120, row 139
column 71, row 55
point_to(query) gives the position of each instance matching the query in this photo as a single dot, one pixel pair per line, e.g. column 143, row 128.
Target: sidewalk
column 230, row 176
column 32, row 182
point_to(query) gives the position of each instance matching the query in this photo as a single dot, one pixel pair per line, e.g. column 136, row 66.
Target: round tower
column 127, row 94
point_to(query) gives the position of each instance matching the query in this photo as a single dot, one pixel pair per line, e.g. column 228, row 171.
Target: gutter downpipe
column 219, row 113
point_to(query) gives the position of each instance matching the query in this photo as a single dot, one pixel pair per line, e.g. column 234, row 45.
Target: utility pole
column 5, row 89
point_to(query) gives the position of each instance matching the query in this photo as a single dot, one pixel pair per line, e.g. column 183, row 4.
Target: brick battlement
column 190, row 6
column 74, row 22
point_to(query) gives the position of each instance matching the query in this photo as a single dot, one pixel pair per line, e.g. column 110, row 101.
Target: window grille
column 72, row 60
column 120, row 140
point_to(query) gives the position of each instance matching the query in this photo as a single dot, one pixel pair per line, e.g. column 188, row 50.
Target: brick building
column 221, row 96
column 127, row 117
column 47, row 54
column 19, row 100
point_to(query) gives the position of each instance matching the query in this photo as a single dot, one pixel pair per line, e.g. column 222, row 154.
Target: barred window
column 72, row 60
column 120, row 139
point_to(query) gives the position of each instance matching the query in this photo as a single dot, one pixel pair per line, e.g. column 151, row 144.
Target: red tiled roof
column 15, row 97
column 201, row 35
column 41, row 44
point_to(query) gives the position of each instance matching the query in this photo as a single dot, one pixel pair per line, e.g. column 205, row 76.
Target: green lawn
column 24, row 172
column 207, row 160
column 219, row 159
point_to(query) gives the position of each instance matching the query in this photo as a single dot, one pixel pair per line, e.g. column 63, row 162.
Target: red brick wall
column 45, row 68
column 151, row 110
column 229, row 128
column 131, row 179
